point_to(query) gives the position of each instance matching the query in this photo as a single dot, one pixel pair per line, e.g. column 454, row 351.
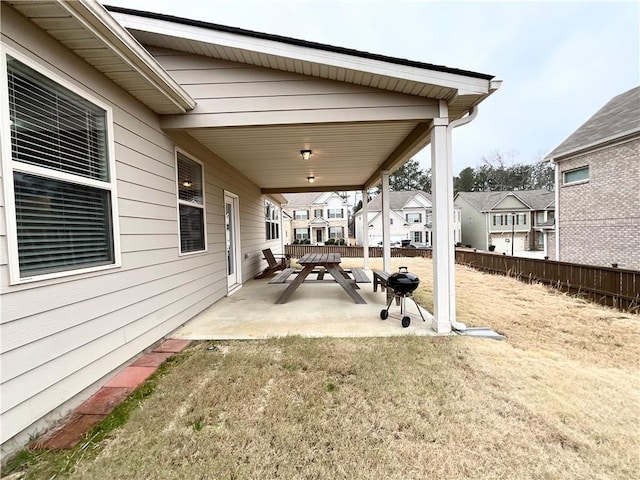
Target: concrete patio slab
column 314, row 310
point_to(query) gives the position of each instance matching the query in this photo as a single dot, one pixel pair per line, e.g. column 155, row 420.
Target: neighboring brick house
column 597, row 174
column 409, row 216
column 523, row 217
column 316, row 217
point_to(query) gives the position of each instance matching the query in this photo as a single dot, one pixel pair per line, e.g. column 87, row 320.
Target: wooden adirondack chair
column 274, row 265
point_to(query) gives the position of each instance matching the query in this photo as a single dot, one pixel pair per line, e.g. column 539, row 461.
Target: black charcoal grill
column 403, row 283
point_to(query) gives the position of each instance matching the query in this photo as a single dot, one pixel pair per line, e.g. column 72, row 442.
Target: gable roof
column 618, row 118
column 397, row 200
column 297, row 42
column 307, row 199
column 485, row 201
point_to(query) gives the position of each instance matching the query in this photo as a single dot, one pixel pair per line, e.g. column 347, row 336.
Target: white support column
column 442, row 252
column 451, row 257
column 386, row 235
column 365, row 229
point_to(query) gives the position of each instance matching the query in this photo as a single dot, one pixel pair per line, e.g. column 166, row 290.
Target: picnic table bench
column 380, row 278
column 330, row 263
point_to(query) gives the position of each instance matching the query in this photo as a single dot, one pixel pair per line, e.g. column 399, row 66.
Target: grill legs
column 406, row 320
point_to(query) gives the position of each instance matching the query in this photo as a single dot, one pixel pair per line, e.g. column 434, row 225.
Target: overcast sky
column 560, row 61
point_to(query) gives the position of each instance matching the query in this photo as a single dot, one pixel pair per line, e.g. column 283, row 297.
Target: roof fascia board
column 465, row 85
column 426, row 203
column 605, row 142
column 521, row 200
column 97, row 20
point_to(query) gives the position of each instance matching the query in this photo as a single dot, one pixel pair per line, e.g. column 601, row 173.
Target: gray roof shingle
column 397, row 200
column 620, row 116
column 485, row 201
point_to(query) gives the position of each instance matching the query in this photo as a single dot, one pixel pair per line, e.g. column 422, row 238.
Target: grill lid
column 403, row 281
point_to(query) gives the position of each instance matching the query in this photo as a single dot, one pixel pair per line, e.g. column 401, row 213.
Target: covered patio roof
column 372, row 112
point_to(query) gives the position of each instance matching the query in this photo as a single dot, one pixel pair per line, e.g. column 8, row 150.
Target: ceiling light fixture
column 306, row 154
column 311, row 179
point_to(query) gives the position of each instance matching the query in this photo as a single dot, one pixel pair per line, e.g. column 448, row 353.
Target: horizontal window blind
column 191, row 229
column 61, row 226
column 189, row 180
column 53, row 127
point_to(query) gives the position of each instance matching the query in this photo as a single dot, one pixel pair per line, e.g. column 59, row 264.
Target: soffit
column 89, row 31
column 344, row 155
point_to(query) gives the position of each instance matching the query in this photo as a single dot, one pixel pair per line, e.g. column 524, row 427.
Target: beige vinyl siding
column 59, row 336
column 231, row 90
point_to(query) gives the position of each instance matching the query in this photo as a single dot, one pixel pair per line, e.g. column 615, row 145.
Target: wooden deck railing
column 614, row 287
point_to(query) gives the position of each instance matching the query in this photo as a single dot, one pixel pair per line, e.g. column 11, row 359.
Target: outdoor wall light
column 187, row 183
column 306, row 154
column 311, row 179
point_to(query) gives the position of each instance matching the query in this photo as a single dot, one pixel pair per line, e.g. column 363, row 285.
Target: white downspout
column 473, row 113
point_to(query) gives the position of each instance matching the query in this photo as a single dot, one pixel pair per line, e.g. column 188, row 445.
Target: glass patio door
column 232, row 241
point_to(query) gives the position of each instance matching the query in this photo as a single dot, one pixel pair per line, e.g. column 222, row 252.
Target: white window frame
column 417, row 219
column 576, row 182
column 416, row 237
column 191, row 204
column 305, row 217
column 9, row 167
column 271, row 220
column 306, row 234
column 337, row 235
column 333, row 215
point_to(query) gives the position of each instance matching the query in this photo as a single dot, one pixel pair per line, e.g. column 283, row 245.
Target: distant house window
column 271, row 220
column 191, row 204
column 414, row 217
column 317, row 213
column 302, row 233
column 335, row 213
column 301, row 215
column 64, row 197
column 574, row 176
column 417, row 237
column 507, row 219
column 335, row 232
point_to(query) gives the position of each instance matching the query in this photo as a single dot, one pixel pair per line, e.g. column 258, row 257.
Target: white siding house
column 144, row 162
column 317, row 217
column 410, row 219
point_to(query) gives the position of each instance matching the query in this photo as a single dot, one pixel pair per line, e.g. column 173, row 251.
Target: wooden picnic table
column 331, row 262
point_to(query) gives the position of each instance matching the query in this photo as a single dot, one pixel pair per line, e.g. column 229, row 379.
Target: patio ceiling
column 345, row 155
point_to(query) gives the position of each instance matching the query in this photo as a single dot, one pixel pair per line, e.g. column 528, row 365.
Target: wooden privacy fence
column 608, row 286
column 614, row 287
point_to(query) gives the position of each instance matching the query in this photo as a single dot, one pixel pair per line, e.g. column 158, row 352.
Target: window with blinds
column 190, row 204
column 60, row 165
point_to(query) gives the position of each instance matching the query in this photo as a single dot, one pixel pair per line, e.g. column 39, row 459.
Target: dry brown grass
column 559, row 399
